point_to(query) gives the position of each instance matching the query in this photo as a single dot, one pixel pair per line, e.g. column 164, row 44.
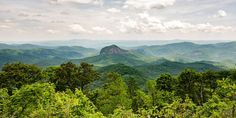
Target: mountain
column 42, row 55
column 35, row 56
column 190, row 52
column 21, row 46
column 121, row 69
column 112, row 50
column 112, row 55
column 86, row 52
column 152, row 70
column 126, row 71
column 182, row 55
column 165, row 66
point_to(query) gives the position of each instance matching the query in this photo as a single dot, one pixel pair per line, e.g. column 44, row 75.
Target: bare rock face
column 113, row 49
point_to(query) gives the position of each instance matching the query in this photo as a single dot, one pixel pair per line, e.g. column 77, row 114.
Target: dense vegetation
column 71, row 90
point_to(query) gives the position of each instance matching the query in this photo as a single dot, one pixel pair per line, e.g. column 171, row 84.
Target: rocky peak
column 112, row 49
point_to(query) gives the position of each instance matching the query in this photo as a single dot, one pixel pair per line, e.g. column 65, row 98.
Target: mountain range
column 148, row 61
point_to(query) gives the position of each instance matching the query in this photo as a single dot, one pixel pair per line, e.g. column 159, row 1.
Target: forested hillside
column 71, row 90
column 190, row 52
column 220, row 54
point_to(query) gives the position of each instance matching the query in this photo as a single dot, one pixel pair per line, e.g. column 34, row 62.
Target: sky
column 49, row 20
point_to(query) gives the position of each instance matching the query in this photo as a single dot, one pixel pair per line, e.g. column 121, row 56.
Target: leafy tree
column 178, row 109
column 70, row 76
column 233, row 74
column 30, row 98
column 151, row 89
column 66, row 77
column 165, row 82
column 141, row 101
column 4, row 102
column 113, row 94
column 15, row 75
column 187, row 84
column 87, row 74
column 123, row 113
column 206, row 85
column 132, row 86
column 214, row 108
column 41, row 100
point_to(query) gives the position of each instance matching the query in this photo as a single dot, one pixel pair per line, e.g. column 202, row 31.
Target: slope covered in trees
column 71, row 90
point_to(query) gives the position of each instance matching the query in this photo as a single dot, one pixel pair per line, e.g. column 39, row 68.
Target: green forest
column 82, row 91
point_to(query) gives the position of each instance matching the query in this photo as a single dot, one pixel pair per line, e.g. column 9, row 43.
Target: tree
column 4, row 102
column 187, row 84
column 132, row 86
column 123, row 113
column 207, row 85
column 178, row 109
column 87, row 74
column 40, row 100
column 66, row 77
column 15, row 75
column 70, row 76
column 214, row 108
column 165, row 82
column 141, row 101
column 113, row 94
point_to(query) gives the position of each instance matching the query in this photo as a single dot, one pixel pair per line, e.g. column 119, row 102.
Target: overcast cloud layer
column 42, row 20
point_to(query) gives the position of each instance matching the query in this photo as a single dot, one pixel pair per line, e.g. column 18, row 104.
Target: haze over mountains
column 98, row 44
column 151, row 60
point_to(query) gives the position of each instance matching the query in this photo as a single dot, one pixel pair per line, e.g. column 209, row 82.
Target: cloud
column 211, row 28
column 220, row 14
column 23, row 14
column 4, row 27
column 102, row 29
column 51, row 31
column 148, row 4
column 95, row 2
column 77, row 28
column 114, row 10
column 145, row 23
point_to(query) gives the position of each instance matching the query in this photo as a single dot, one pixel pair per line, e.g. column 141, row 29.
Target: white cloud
column 220, row 14
column 148, row 4
column 79, row 1
column 102, row 30
column 51, row 31
column 76, row 28
column 4, row 27
column 114, row 10
column 211, row 28
column 145, row 23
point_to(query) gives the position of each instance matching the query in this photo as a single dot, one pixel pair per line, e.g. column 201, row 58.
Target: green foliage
column 4, row 101
column 30, row 98
column 123, row 113
column 178, row 109
column 126, row 71
column 214, row 108
column 141, row 101
column 165, row 82
column 113, row 95
column 26, row 92
column 87, row 74
column 70, row 76
column 66, row 77
column 187, row 84
column 15, row 75
column 41, row 100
